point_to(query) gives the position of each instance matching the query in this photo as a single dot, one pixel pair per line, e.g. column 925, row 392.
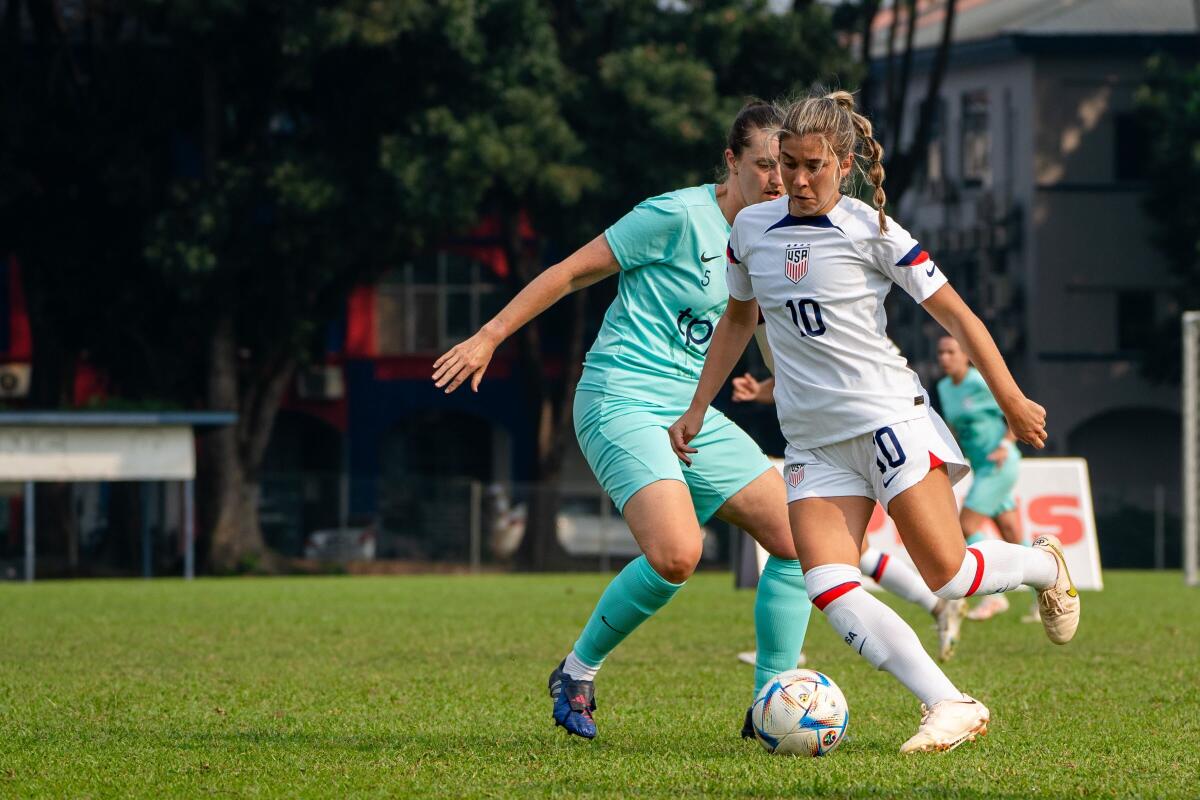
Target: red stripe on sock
column 829, row 595
column 978, row 570
column 934, row 461
column 883, row 559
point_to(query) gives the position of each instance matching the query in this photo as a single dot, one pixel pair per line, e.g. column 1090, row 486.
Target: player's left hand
column 999, row 455
column 683, row 431
column 1027, row 421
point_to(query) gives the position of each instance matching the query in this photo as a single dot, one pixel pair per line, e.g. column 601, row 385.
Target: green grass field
column 423, row 686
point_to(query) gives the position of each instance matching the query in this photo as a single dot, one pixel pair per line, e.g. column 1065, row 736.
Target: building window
column 427, row 309
column 935, row 157
column 1135, row 320
column 976, row 140
column 1131, row 148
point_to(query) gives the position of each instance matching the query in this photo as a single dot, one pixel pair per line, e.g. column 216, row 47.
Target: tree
column 245, row 164
column 903, row 164
column 651, row 90
column 1169, row 106
column 231, row 169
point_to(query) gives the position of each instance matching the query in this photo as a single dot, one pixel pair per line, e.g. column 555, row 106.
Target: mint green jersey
column 671, row 295
column 972, row 411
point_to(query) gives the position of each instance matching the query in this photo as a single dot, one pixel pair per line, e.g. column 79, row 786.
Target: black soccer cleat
column 748, row 724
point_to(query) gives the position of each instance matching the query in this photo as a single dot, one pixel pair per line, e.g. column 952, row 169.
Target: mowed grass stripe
column 434, row 685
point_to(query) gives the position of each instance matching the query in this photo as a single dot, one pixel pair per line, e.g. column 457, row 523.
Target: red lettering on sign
column 1066, row 525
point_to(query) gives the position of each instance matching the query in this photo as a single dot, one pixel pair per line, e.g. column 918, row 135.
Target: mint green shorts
column 625, row 443
column 991, row 491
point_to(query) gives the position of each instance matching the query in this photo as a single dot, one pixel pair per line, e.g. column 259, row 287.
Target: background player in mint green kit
column 638, row 377
column 982, row 432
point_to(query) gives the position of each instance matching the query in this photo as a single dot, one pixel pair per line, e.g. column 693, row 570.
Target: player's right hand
column 746, row 389
column 465, row 360
column 683, row 431
column 1027, row 421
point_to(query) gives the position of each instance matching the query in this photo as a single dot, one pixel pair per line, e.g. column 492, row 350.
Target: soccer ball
column 800, row 713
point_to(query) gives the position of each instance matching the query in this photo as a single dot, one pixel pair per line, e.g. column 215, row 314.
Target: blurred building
column 1031, row 201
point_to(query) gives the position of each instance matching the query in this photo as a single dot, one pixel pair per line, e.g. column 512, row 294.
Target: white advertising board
column 64, row 453
column 1053, row 496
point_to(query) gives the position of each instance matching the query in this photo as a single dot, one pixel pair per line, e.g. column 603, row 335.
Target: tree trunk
column 229, row 507
column 903, row 169
column 867, row 88
column 233, row 455
column 540, row 548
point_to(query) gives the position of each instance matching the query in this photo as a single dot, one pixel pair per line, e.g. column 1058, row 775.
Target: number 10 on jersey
column 806, row 316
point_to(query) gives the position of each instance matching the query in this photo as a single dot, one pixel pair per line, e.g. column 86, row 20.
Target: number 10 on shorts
column 889, row 450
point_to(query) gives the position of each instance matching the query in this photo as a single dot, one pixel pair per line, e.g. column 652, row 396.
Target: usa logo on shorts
column 795, row 475
column 795, row 262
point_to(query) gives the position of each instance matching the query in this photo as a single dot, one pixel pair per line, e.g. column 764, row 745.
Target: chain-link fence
column 1139, row 527
column 456, row 523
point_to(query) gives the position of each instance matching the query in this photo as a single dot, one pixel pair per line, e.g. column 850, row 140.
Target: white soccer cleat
column 947, row 725
column 1058, row 604
column 949, row 616
column 989, row 607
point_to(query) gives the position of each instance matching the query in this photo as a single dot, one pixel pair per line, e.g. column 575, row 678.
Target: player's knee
column 777, row 542
column 676, row 564
column 949, row 579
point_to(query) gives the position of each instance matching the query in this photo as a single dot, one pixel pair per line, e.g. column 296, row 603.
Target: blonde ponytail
column 833, row 116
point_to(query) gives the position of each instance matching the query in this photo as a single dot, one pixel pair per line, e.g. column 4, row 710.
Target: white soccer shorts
column 878, row 465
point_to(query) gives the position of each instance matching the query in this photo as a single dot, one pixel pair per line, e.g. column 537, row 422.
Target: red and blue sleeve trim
column 913, row 257
column 729, row 255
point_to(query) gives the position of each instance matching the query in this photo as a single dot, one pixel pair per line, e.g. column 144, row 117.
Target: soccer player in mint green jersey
column 982, row 432
column 638, row 377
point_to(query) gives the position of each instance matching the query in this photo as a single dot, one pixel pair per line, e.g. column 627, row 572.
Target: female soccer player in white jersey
column 857, row 421
column 638, row 377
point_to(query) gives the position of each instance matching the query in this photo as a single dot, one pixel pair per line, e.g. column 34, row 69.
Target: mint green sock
column 781, row 612
column 976, row 538
column 631, row 599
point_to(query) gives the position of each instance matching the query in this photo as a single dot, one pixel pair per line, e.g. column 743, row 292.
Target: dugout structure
column 104, row 446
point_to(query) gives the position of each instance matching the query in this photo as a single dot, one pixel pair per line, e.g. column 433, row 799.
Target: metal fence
column 416, row 525
column 454, row 522
column 1139, row 527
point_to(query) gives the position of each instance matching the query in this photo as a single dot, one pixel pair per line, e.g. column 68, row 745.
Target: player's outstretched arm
column 1026, row 419
column 469, row 360
column 728, row 343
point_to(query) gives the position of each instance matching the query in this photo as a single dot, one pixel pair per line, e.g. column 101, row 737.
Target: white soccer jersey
column 820, row 283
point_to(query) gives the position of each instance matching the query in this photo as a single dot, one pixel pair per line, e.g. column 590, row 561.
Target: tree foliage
column 1169, row 106
column 195, row 186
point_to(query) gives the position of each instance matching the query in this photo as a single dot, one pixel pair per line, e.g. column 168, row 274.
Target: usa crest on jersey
column 795, row 262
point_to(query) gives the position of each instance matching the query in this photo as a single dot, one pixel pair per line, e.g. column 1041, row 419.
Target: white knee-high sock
column 897, row 577
column 876, row 632
column 993, row 566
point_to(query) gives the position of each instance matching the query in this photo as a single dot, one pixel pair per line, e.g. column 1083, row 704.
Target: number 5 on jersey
column 806, row 316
